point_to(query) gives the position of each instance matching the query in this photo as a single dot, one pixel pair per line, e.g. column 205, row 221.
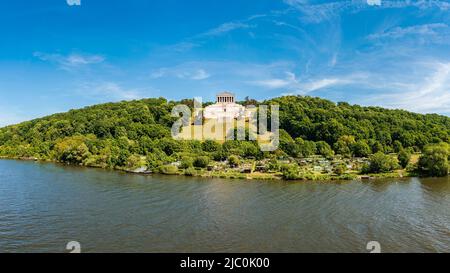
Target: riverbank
column 234, row 173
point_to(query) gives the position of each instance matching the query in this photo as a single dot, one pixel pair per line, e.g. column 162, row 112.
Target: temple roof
column 225, row 94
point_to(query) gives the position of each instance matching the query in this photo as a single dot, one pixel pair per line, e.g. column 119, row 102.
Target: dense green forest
column 132, row 134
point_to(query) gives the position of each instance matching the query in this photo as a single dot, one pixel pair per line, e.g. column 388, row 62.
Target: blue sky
column 57, row 55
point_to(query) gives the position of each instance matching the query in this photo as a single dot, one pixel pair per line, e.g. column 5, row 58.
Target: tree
column 169, row 145
column 344, row 144
column 210, row 146
column 290, row 171
column 398, row 146
column 72, row 150
column 250, row 149
column 324, row 149
column 134, row 161
column 220, row 155
column 329, row 131
column 377, row 147
column 305, row 148
column 380, row 163
column 404, row 157
column 156, row 159
column 361, row 149
column 107, row 135
column 287, row 144
column 248, row 101
column 434, row 160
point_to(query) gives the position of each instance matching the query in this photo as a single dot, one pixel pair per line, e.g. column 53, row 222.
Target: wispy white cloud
column 71, row 61
column 108, row 90
column 73, row 2
column 318, row 12
column 296, row 86
column 374, row 2
column 224, row 28
column 430, row 95
column 276, row 83
column 425, row 31
column 184, row 71
column 272, row 83
column 323, row 83
column 199, row 75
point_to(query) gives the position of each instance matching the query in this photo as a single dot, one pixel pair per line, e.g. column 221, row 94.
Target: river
column 43, row 206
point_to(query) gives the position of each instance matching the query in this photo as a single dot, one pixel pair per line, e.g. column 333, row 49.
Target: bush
column 380, row 163
column 168, row 169
column 156, row 159
column 324, row 149
column 343, row 146
column 220, row 155
column 434, row 160
column 190, row 172
column 72, row 150
column 201, row 162
column 187, row 162
column 233, row 161
column 403, row 158
column 361, row 149
column 340, row 169
column 134, row 162
column 290, row 171
column 210, row 146
column 274, row 166
column 249, row 150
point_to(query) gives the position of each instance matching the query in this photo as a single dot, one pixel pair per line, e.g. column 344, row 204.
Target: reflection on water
column 44, row 206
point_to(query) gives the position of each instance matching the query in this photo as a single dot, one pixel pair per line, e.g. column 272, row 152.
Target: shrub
column 72, row 150
column 274, row 166
column 249, row 149
column 380, row 163
column 233, row 161
column 324, row 149
column 210, row 146
column 290, row 171
column 134, row 162
column 156, row 159
column 190, row 172
column 220, row 155
column 340, row 169
column 201, row 162
column 168, row 169
column 187, row 162
column 434, row 160
column 361, row 149
column 403, row 158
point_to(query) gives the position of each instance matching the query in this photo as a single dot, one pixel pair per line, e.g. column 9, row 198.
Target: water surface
column 43, row 206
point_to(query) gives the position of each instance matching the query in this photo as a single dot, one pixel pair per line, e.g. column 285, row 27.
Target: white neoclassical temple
column 225, row 97
column 224, row 108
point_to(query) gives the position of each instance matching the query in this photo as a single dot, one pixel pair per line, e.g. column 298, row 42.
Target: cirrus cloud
column 71, row 61
column 73, row 2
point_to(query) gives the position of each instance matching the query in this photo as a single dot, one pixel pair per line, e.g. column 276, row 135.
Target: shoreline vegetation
column 319, row 140
column 239, row 173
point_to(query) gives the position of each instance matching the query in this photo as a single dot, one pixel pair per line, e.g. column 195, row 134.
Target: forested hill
column 114, row 131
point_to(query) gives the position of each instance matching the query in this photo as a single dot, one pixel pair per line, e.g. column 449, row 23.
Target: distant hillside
column 108, row 134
